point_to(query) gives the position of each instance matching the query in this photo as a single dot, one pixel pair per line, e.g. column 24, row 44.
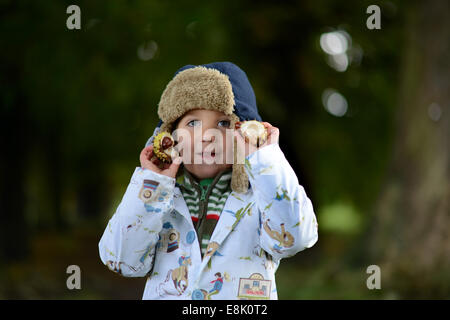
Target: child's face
column 205, row 144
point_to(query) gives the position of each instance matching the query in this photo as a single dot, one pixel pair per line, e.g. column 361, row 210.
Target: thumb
column 173, row 169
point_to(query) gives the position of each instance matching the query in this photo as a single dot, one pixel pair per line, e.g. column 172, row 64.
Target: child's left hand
column 273, row 134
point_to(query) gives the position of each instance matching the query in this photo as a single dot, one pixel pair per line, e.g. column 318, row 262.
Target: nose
column 208, row 135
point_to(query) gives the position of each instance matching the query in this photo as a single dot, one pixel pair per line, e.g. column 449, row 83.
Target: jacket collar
column 235, row 209
column 181, row 206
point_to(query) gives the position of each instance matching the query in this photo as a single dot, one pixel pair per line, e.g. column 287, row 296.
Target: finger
column 143, row 157
column 145, row 153
column 149, row 148
column 177, row 161
column 267, row 125
column 173, row 167
column 274, row 130
column 271, row 129
column 273, row 135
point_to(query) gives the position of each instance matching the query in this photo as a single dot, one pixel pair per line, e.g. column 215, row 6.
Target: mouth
column 206, row 157
column 207, row 154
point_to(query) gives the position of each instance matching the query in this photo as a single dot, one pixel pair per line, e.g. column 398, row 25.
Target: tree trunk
column 410, row 239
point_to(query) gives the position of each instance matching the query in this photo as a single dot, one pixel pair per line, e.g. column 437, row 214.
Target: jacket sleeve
column 287, row 220
column 129, row 241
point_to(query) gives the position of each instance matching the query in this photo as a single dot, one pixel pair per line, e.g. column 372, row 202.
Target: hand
column 169, row 170
column 273, row 135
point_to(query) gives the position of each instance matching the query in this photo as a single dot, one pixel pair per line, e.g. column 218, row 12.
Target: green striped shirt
column 205, row 201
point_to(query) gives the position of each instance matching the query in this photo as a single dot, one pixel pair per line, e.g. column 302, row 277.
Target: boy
column 209, row 220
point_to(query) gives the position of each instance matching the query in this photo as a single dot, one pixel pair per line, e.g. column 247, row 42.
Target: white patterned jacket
column 151, row 234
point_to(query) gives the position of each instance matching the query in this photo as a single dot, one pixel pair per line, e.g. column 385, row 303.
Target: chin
column 204, row 171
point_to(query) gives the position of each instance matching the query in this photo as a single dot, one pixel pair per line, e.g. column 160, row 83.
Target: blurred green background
column 363, row 116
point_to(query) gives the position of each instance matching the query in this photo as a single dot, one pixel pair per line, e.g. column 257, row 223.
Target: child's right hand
column 169, row 170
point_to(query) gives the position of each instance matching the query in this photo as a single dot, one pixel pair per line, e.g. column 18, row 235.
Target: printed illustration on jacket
column 179, row 277
column 117, row 266
column 285, row 238
column 211, row 251
column 217, row 283
column 239, row 214
column 282, row 194
column 163, row 196
column 147, row 194
column 168, row 238
column 254, row 287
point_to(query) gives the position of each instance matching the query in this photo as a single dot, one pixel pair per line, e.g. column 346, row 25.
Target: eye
column 193, row 123
column 224, row 123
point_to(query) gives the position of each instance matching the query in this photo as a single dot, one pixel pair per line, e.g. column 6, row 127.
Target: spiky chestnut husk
column 253, row 132
column 163, row 147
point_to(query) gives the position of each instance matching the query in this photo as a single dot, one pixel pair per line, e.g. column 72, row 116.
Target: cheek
column 185, row 144
column 226, row 142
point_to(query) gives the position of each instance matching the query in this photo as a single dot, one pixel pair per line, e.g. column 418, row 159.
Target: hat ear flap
column 165, row 127
column 239, row 178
